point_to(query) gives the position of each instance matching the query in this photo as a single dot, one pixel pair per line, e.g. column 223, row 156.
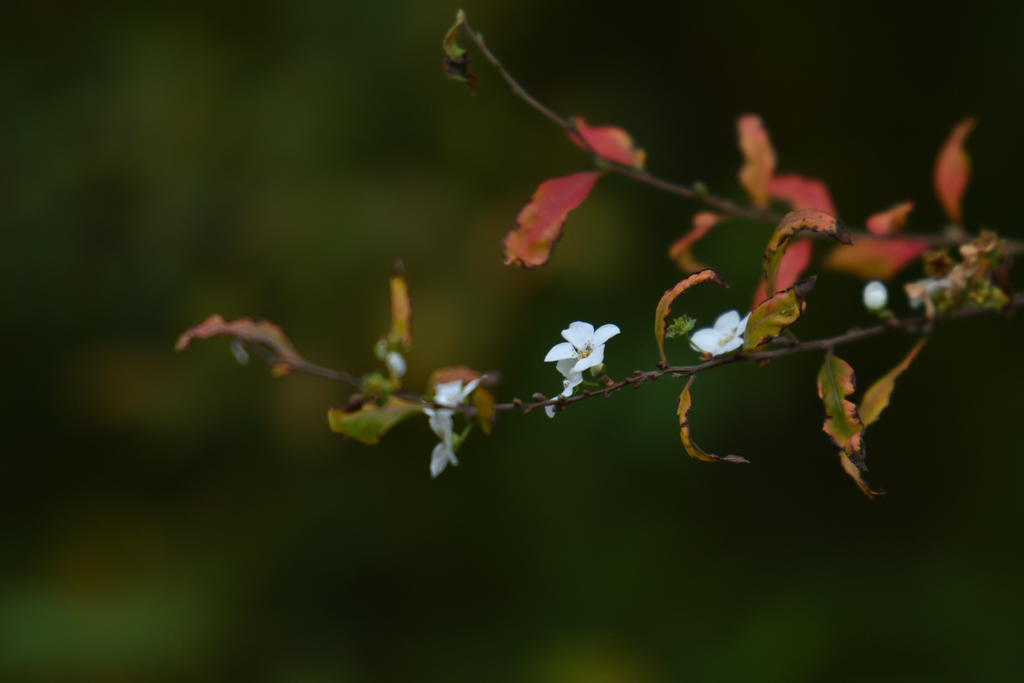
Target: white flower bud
column 876, row 296
column 395, row 363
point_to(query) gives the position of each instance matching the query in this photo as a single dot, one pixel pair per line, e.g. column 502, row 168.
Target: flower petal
column 604, row 333
column 440, row 458
column 550, row 410
column 742, row 326
column 595, row 358
column 468, row 390
column 560, row 351
column 565, row 366
column 727, row 322
column 440, row 422
column 706, row 339
column 578, row 334
column 733, row 344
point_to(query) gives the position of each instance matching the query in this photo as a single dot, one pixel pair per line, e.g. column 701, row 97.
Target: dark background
column 168, row 517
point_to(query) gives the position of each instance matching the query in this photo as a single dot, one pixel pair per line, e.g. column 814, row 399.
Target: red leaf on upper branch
column 953, row 170
column 794, row 262
column 759, row 155
column 665, row 304
column 693, row 449
column 607, row 142
column 874, row 258
column 539, row 223
column 681, row 250
column 801, row 193
column 261, row 332
column 890, row 221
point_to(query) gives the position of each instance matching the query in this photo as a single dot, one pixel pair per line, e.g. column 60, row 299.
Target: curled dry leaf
column 776, row 313
column 539, row 223
column 401, row 307
column 836, row 381
column 608, row 142
column 875, row 258
column 890, row 221
column 665, row 304
column 794, row 262
column 693, row 449
column 953, row 170
column 801, row 193
column 858, row 477
column 759, row 158
column 456, row 61
column 681, row 251
column 370, row 421
column 876, row 398
column 805, row 219
column 261, row 332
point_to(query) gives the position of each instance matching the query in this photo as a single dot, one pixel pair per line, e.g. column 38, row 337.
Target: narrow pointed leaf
column 370, row 421
column 261, row 332
column 539, row 223
column 759, row 158
column 858, row 477
column 681, row 251
column 875, row 258
column 953, row 170
column 401, row 307
column 805, row 219
column 775, row 314
column 608, row 142
column 793, row 264
column 801, row 193
column 890, row 221
column 836, row 381
column 876, row 398
column 665, row 304
column 693, row 449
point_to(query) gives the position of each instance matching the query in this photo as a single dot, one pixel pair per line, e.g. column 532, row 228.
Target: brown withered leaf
column 776, row 313
column 858, row 477
column 836, row 381
column 539, row 223
column 456, row 61
column 261, row 332
column 693, row 449
column 813, row 220
column 876, row 398
column 665, row 304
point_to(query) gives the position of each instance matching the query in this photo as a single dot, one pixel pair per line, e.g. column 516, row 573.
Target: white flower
column 449, row 394
column 876, row 296
column 395, row 363
column 582, row 349
column 725, row 336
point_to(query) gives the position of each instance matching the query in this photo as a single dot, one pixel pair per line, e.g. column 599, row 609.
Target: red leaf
column 539, row 223
column 890, row 221
column 261, row 332
column 801, row 192
column 608, row 142
column 759, row 158
column 953, row 169
column 681, row 250
column 794, row 262
column 874, row 258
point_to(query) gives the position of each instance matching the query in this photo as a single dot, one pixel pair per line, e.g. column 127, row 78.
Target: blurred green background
column 167, row 518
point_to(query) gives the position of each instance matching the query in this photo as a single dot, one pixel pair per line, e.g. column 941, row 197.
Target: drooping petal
column 604, row 333
column 468, row 390
column 578, row 334
column 733, row 344
column 742, row 326
column 560, row 351
column 727, row 322
column 440, row 458
column 550, row 410
column 595, row 358
column 706, row 339
column 440, row 422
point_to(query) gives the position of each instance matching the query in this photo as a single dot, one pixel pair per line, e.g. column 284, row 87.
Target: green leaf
column 665, row 305
column 805, row 219
column 370, row 421
column 836, row 381
column 775, row 314
column 876, row 398
column 693, row 449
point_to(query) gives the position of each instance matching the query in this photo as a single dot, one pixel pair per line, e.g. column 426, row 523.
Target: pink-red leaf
column 539, row 223
column 260, row 332
column 805, row 219
column 801, row 193
column 665, row 304
column 759, row 158
column 874, row 258
column 953, row 170
column 608, row 142
column 890, row 221
column 794, row 262
column 693, row 449
column 836, row 381
column 681, row 250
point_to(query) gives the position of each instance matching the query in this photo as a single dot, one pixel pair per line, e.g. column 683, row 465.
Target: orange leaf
column 401, row 306
column 953, row 169
column 261, row 332
column 607, row 142
column 794, row 262
column 665, row 305
column 891, row 220
column 759, row 158
column 874, row 258
column 693, row 449
column 806, row 219
column 539, row 223
column 681, row 250
column 801, row 193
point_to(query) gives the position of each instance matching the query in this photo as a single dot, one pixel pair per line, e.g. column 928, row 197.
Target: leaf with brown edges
column 813, row 220
column 370, row 421
column 876, row 398
column 776, row 313
column 539, row 223
column 858, row 477
column 261, row 332
column 608, row 142
column 953, row 170
column 793, row 264
column 693, row 449
column 665, row 304
column 836, row 381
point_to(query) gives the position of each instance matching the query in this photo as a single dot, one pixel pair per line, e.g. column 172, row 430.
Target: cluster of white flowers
column 582, row 349
column 450, row 395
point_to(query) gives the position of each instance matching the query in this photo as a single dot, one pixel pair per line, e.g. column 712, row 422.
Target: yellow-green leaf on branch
column 693, row 449
column 370, row 421
column 486, row 415
column 805, row 219
column 836, row 381
column 451, row 47
column 665, row 305
column 775, row 314
column 876, row 398
column 401, row 308
column 456, row 61
column 858, row 477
